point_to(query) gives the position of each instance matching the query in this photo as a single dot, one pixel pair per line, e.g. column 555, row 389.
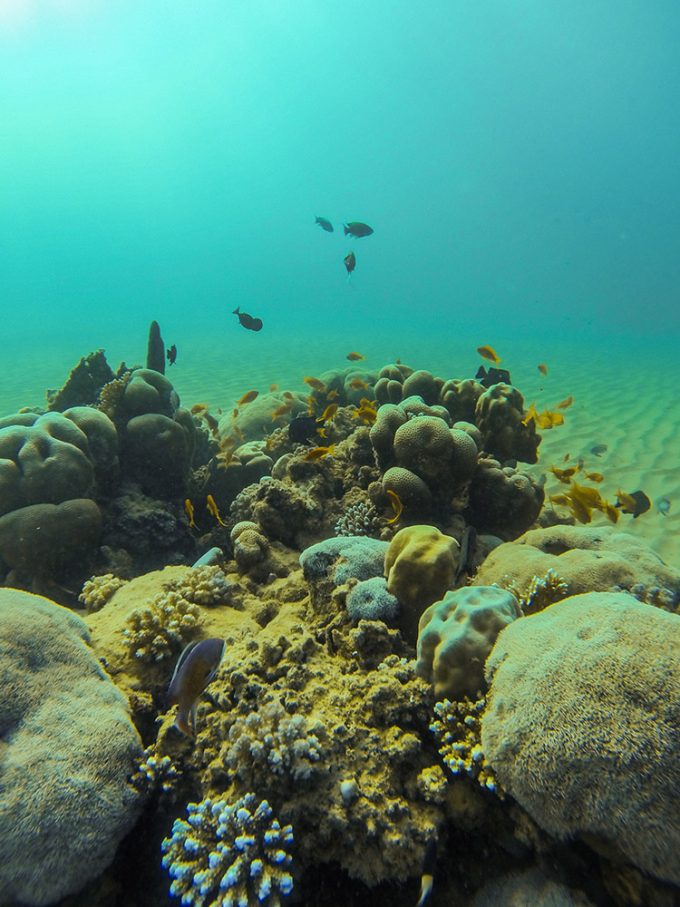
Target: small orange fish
column 564, row 475
column 530, row 415
column 332, row 395
column 488, row 352
column 273, row 387
column 315, row 383
column 282, row 410
column 329, row 412
column 594, row 476
column 565, row 404
column 234, row 412
column 354, row 357
column 287, row 395
column 199, row 408
column 317, row 453
column 397, row 506
column 322, row 433
column 212, row 509
column 543, row 368
column 211, row 422
column 247, row 398
column 359, row 384
column 189, row 510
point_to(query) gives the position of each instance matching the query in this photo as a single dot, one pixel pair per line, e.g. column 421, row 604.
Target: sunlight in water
column 16, row 15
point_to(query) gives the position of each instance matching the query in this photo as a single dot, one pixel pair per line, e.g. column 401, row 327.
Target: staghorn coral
column 270, row 741
column 458, row 729
column 226, row 854
column 98, row 590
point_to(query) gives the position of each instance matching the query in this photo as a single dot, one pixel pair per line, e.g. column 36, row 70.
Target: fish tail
column 237, row 310
column 347, row 230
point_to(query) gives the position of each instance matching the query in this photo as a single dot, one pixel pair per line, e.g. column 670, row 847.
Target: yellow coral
column 458, row 728
column 156, row 632
column 203, row 586
column 98, row 590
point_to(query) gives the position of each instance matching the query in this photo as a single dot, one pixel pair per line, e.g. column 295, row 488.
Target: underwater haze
column 517, row 161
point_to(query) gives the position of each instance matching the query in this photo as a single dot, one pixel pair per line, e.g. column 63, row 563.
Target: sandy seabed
column 625, row 399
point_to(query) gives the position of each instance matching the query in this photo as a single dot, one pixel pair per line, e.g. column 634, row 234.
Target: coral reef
column 68, row 749
column 541, row 592
column 458, row 728
column 228, row 854
column 457, row 634
column 581, row 724
column 420, row 565
column 360, row 518
column 155, row 772
column 84, row 383
column 587, row 559
column 98, row 590
column 250, row 545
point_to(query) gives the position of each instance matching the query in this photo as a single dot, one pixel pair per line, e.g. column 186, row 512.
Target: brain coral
column 456, row 635
column 68, row 748
column 582, row 722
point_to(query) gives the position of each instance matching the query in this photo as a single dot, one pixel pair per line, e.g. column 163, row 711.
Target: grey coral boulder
column 582, row 725
column 68, row 747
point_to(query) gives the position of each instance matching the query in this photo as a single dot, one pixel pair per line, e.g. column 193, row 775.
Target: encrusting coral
column 229, row 854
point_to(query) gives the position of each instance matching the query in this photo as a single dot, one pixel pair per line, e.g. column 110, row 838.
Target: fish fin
column 237, row 310
column 182, row 724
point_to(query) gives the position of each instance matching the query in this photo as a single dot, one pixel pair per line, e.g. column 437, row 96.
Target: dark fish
column 357, row 229
column 429, row 866
column 302, row 429
column 663, row 505
column 491, row 376
column 247, row 321
column 468, row 544
column 598, row 449
column 196, row 667
column 324, row 224
column 636, row 503
column 350, row 262
column 172, row 354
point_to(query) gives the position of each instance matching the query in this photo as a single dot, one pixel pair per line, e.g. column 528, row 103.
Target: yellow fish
column 329, row 412
column 247, row 398
column 316, row 453
column 594, row 476
column 282, row 410
column 489, row 353
column 355, row 357
column 564, row 404
column 315, row 383
column 397, row 506
column 273, row 387
column 358, row 384
column 212, row 509
column 543, row 368
column 189, row 510
column 564, row 475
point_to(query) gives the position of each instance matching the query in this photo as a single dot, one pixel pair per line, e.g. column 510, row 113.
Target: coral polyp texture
column 229, row 855
column 458, row 729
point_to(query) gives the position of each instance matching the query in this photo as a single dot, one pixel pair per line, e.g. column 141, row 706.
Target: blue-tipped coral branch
column 229, row 855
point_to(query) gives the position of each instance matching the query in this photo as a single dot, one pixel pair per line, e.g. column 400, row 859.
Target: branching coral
column 457, row 727
column 204, row 586
column 98, row 590
column 229, row 855
column 360, row 518
column 155, row 772
column 158, row 631
column 270, row 741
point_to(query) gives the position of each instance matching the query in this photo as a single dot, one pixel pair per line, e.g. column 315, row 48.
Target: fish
column 234, row 412
column 354, row 357
column 322, row 433
column 598, row 450
column 199, row 408
column 172, row 355
column 594, row 476
column 273, row 388
column 302, row 429
column 328, row 413
column 565, row 457
column 316, row 384
column 492, row 376
column 397, row 506
column 196, row 667
column 663, row 505
column 212, row 509
column 488, row 352
column 359, row 384
column 356, row 229
column 247, row 321
column 564, row 475
column 350, row 262
column 189, row 510
column 282, row 410
column 366, row 411
column 324, row 224
column 211, row 558
column 211, row 422
column 468, row 544
column 566, row 403
column 543, row 368
column 636, row 502
column 247, row 398
column 318, row 453
column 429, row 866
column 332, row 394
column 546, row 419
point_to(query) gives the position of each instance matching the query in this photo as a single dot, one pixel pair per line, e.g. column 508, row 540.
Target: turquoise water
column 517, row 162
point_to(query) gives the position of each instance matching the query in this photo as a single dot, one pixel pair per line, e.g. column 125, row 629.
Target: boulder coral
column 457, row 634
column 420, row 565
column 69, row 748
column 588, row 560
column 503, row 501
column 581, row 725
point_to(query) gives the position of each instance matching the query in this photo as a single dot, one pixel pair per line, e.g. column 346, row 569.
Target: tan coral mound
column 581, row 725
column 587, row 559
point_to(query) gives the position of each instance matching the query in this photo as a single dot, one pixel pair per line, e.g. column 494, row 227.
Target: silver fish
column 195, row 668
column 468, row 545
column 663, row 505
